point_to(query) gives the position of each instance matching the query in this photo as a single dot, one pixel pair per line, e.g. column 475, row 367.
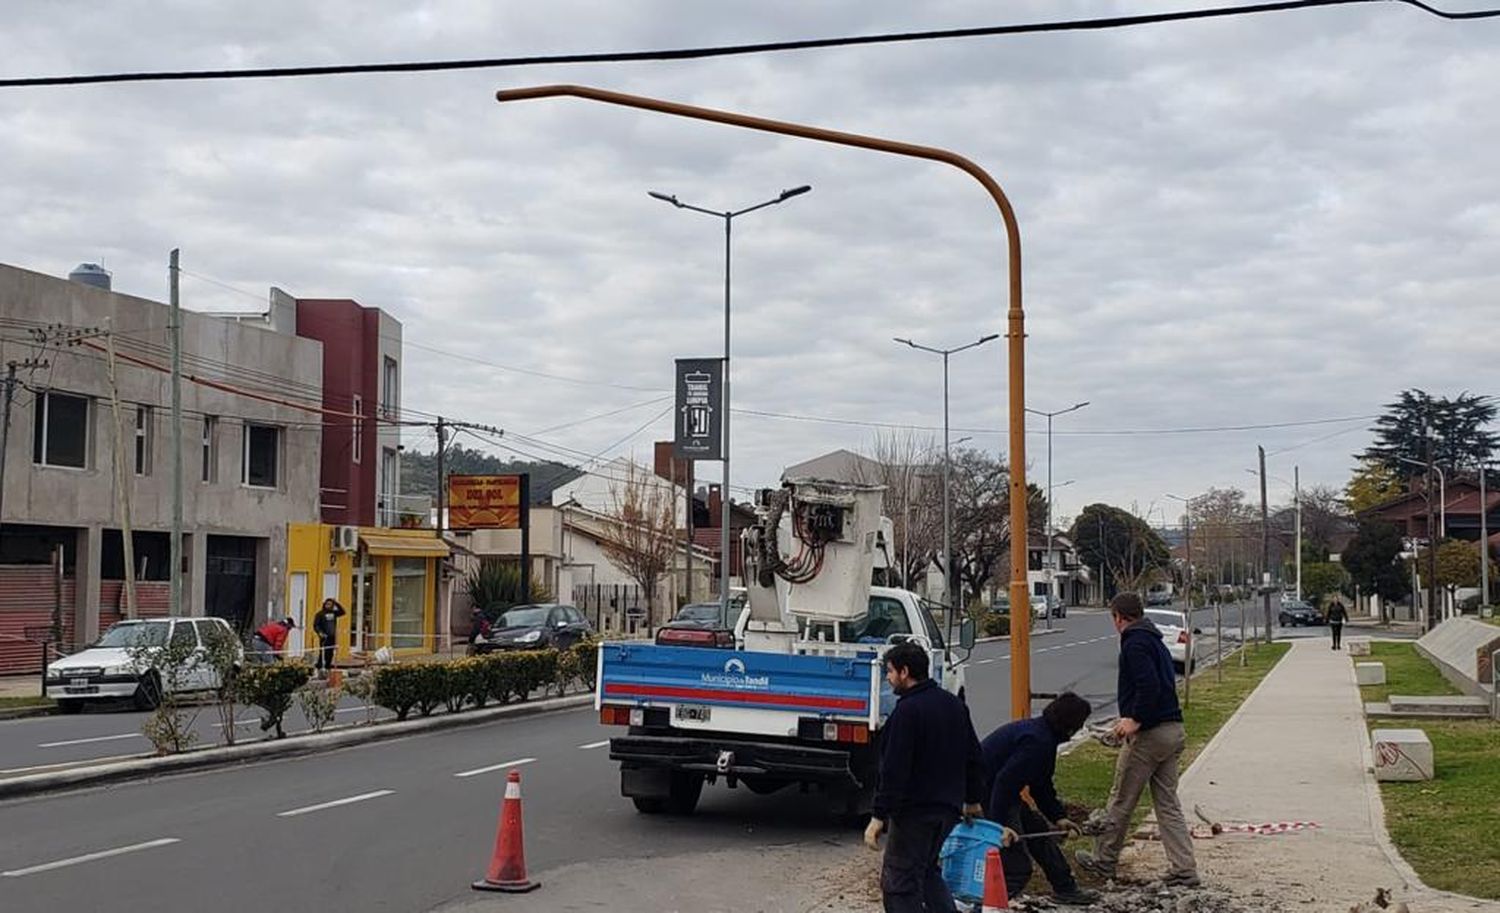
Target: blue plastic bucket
column 962, row 858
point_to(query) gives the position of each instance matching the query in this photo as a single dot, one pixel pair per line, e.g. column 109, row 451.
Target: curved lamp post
column 1020, row 667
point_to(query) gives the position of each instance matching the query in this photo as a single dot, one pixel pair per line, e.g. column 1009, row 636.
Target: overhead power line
column 736, row 50
column 1097, row 432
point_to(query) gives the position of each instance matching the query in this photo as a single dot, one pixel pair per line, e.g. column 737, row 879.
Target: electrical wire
column 1099, row 432
column 702, row 53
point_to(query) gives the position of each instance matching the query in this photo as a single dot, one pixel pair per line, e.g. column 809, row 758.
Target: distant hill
column 419, row 471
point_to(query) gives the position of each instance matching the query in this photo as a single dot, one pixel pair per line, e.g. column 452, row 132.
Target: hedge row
column 477, row 680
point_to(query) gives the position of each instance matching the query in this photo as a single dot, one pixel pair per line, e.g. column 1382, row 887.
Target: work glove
column 1068, row 826
column 873, row 830
column 972, row 810
column 1008, row 837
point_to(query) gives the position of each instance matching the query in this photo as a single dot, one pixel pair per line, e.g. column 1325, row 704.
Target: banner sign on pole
column 700, row 409
column 484, row 502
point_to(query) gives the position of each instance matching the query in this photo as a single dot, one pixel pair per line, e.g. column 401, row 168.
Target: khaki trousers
column 1151, row 756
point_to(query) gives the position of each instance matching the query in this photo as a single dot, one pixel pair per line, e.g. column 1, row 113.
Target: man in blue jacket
column 930, row 776
column 1150, row 728
column 1023, row 755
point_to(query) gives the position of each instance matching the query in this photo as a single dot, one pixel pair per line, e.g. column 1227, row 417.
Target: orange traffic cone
column 995, row 898
column 507, row 870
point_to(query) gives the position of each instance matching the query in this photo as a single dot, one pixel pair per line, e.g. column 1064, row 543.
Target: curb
column 21, row 713
column 297, row 746
column 1003, row 637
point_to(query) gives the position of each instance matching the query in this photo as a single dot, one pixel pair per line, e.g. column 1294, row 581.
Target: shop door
column 296, row 607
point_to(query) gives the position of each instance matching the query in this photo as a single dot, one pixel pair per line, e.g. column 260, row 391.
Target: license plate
column 693, row 713
column 79, row 682
column 80, row 689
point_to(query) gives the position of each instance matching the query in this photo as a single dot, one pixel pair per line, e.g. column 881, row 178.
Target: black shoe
column 1076, row 897
column 1094, row 866
column 1180, row 880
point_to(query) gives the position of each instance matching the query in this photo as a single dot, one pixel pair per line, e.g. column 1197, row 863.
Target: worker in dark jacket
column 930, row 776
column 1023, row 755
column 1152, row 738
column 326, row 626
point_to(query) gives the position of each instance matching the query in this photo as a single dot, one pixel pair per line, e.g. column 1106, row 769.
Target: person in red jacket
column 270, row 639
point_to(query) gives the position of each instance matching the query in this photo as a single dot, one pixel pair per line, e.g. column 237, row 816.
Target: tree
column 1322, row 579
column 1221, row 538
column 640, row 536
column 980, row 487
column 1372, row 484
column 1457, row 429
column 1125, row 553
column 1325, row 520
column 910, row 467
column 1457, row 564
column 1371, row 560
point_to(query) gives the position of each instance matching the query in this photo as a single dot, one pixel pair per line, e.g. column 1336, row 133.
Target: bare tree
column 981, row 520
column 640, row 536
column 910, row 467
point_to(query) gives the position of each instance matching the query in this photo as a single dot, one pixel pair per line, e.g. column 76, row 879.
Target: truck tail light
column 611, row 715
column 832, row 731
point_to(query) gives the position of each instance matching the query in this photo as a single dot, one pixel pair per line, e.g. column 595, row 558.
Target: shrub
column 362, row 688
column 318, row 705
column 271, row 687
column 577, row 664
column 396, row 688
column 466, row 683
column 994, row 624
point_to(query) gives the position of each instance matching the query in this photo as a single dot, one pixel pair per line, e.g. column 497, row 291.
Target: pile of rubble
column 1158, row 898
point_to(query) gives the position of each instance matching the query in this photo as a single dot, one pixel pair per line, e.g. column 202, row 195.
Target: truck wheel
column 649, row 805
column 68, row 708
column 686, row 788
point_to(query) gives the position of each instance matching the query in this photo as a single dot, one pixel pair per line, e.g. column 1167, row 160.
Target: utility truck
column 799, row 697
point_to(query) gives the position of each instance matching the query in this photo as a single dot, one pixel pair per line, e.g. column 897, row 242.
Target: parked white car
column 111, row 669
column 1174, row 633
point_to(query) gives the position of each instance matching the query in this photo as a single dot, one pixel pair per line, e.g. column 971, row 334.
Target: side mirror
column 1197, row 631
column 966, row 634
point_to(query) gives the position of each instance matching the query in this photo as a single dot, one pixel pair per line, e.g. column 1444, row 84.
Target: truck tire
column 649, row 805
column 67, row 708
column 686, row 789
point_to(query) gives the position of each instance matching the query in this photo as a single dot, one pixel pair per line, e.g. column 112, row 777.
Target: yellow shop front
column 384, row 579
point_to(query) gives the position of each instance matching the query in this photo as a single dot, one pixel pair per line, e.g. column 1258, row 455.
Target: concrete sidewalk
column 1298, row 750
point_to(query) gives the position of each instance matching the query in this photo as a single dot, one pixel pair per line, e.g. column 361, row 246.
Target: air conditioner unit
column 345, row 538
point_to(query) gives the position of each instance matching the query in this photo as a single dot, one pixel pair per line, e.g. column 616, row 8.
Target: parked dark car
column 700, row 624
column 535, row 627
column 1295, row 614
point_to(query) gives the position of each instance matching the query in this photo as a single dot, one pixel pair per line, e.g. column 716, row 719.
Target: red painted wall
column 350, row 334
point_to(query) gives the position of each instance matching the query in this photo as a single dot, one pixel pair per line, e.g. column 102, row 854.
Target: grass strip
column 1407, row 672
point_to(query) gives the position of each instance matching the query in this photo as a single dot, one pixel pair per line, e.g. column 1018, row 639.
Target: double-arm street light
column 1051, row 574
column 947, row 466
column 1015, row 314
column 728, row 216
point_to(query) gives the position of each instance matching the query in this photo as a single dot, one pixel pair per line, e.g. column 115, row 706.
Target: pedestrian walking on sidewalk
column 930, row 776
column 1336, row 618
column 1023, row 755
column 1150, row 728
column 326, row 626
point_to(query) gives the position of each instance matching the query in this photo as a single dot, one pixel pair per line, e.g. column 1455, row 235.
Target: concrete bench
column 1441, row 705
column 1369, row 673
column 1401, row 754
column 1358, row 646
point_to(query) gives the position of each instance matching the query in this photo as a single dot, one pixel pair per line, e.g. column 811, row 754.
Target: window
column 359, row 427
column 143, row 428
column 389, row 480
column 390, row 388
column 408, row 602
column 1039, row 589
column 210, row 448
column 61, row 431
column 183, row 635
column 262, row 450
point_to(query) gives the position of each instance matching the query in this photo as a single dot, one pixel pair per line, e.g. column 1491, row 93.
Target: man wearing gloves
column 1150, row 728
column 930, row 776
column 1023, row 755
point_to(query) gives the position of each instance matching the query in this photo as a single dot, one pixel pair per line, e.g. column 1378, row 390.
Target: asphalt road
column 406, row 825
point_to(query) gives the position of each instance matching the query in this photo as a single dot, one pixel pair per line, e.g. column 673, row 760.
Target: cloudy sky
column 1257, row 221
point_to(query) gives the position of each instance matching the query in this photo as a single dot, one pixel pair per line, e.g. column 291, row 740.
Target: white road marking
column 983, row 662
column 100, row 738
column 90, row 857
column 593, row 745
column 495, row 767
column 335, row 803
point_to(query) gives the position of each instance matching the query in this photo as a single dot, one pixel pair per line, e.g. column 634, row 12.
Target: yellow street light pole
column 1020, row 666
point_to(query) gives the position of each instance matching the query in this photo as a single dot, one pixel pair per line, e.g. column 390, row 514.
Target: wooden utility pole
column 10, row 390
column 122, row 494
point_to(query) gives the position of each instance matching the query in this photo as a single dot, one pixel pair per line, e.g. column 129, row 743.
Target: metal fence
column 618, row 608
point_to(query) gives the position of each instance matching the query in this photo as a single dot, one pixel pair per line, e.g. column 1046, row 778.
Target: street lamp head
column 1080, row 405
column 905, row 342
column 985, row 339
column 794, row 192
column 665, row 198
